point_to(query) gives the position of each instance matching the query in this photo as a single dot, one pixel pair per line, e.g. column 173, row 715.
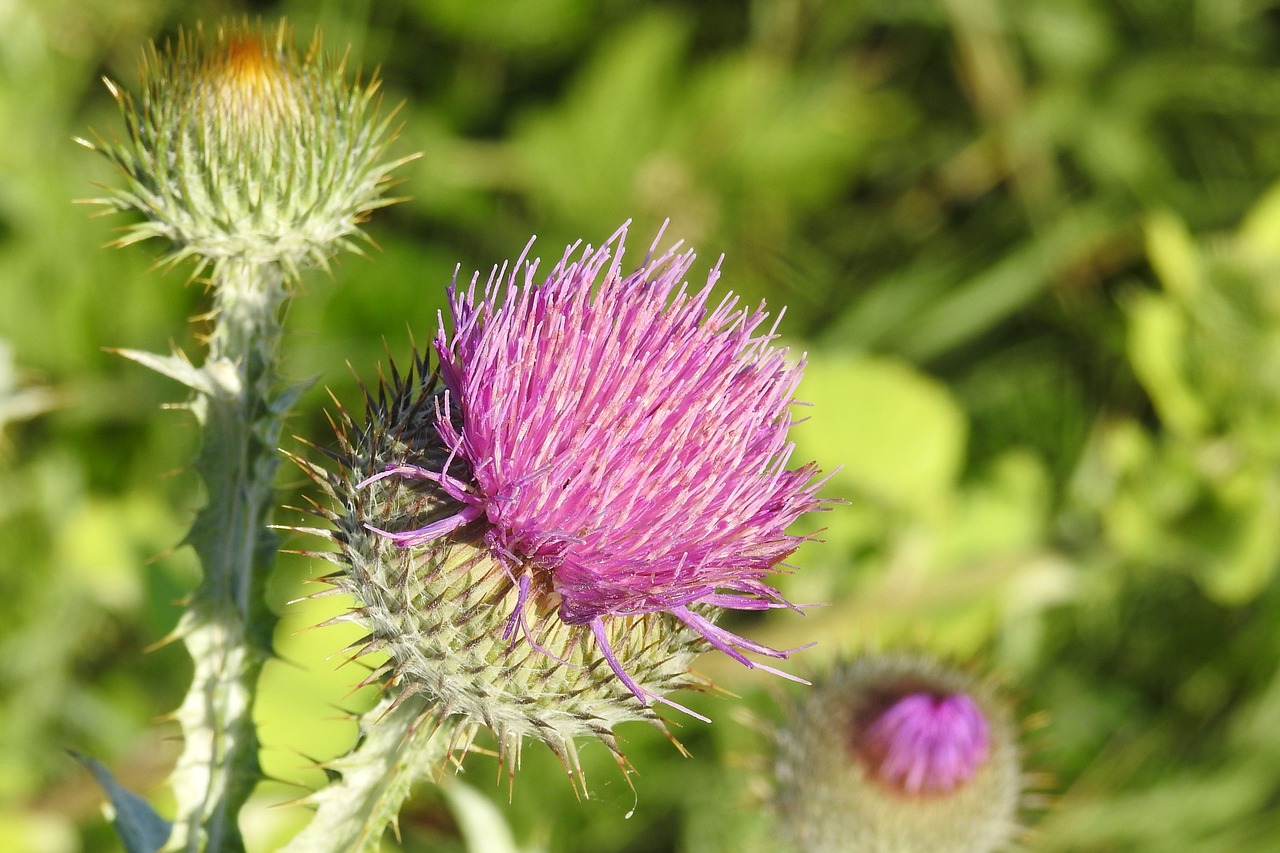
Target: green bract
column 243, row 149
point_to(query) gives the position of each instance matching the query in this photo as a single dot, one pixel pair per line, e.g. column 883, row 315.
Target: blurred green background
column 1030, row 246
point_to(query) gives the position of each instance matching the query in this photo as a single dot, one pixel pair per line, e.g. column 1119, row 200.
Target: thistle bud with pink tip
column 899, row 754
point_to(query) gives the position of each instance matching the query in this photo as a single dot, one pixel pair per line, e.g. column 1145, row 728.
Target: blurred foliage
column 1030, row 246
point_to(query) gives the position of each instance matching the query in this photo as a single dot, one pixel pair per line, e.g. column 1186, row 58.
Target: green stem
column 401, row 741
column 227, row 626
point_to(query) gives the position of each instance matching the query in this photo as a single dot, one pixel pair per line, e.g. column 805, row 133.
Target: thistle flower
column 547, row 532
column 244, row 150
column 898, row 753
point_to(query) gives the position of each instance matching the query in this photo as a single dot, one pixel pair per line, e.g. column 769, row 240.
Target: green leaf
column 974, row 306
column 1260, row 230
column 897, row 433
column 1173, row 255
column 141, row 830
column 1157, row 345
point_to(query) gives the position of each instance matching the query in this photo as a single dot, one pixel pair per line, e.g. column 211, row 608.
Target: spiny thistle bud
column 541, row 537
column 899, row 754
column 243, row 150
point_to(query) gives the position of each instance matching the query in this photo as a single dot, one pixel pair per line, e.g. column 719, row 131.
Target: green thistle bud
column 899, row 754
column 243, row 150
column 441, row 615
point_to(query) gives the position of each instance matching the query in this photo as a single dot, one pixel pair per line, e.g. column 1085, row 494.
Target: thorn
column 168, row 639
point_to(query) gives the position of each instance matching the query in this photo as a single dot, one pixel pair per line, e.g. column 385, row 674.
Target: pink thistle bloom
column 626, row 442
column 924, row 743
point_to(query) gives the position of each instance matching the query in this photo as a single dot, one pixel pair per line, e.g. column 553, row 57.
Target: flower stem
column 227, row 626
column 401, row 741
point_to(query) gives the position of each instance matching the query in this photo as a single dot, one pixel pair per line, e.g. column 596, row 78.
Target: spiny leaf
column 141, row 830
column 174, row 366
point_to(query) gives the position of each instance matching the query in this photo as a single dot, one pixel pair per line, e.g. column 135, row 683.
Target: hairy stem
column 227, row 626
column 400, row 742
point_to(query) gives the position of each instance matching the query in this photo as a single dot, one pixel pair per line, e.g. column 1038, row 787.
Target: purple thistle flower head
column 543, row 529
column 624, row 442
